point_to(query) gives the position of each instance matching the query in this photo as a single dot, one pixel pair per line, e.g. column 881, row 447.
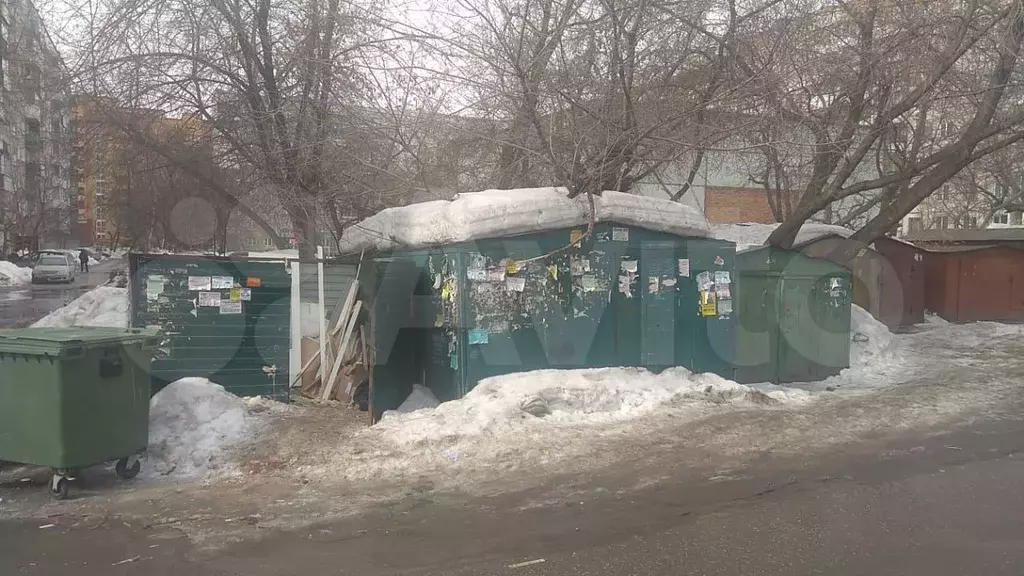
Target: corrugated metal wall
column 337, row 282
column 222, row 319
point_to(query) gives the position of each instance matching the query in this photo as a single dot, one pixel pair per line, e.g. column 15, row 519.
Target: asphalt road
column 23, row 305
column 926, row 503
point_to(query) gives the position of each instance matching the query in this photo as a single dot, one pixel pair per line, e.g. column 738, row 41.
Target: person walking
column 83, row 258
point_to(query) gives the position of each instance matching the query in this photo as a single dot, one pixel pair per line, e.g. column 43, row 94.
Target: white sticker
column 496, row 274
column 209, row 298
column 668, row 282
column 704, row 281
column 245, row 294
column 199, row 283
column 476, row 274
column 628, row 266
column 721, row 277
column 230, row 307
column 620, row 234
column 624, row 285
column 515, row 284
column 221, row 282
column 725, row 306
column 684, row 267
column 589, row 283
column 154, row 288
column 653, row 284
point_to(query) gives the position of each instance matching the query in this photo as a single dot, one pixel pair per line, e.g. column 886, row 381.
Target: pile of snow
column 286, row 254
column 501, row 213
column 105, row 306
column 871, row 340
column 419, row 399
column 751, row 235
column 14, row 275
column 93, row 261
column 503, row 405
column 193, row 425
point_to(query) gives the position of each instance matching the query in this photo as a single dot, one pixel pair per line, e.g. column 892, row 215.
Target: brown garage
column 967, row 283
column 888, row 278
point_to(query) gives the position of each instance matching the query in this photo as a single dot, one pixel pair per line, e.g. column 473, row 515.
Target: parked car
column 54, row 267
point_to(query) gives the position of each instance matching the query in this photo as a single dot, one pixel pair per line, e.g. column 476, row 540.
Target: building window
column 268, row 243
column 942, row 223
column 101, row 188
column 1001, row 218
column 1016, row 218
column 914, row 225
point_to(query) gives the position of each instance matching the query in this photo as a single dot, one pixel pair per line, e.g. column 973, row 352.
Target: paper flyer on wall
column 209, row 298
column 199, row 283
column 230, row 307
column 221, row 282
column 684, row 267
column 704, row 281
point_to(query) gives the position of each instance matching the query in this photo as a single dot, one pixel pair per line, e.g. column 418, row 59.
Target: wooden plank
column 362, row 357
column 346, row 308
column 349, row 329
column 313, row 364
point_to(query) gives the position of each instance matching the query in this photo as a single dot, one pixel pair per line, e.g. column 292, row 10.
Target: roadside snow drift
column 106, row 306
column 14, row 275
column 500, row 213
column 193, row 423
column 502, row 404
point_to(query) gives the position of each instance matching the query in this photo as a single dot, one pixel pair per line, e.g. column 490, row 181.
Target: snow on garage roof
column 751, row 235
column 501, row 213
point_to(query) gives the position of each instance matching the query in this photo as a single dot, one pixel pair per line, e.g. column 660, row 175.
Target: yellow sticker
column 707, row 303
column 446, row 292
column 236, row 295
column 512, row 267
column 438, row 320
column 553, row 271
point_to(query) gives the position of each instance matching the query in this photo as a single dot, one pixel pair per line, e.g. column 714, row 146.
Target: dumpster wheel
column 126, row 472
column 60, row 487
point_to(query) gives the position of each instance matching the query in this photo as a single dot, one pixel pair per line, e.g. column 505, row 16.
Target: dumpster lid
column 54, row 341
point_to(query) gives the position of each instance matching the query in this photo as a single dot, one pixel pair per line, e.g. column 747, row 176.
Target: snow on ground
column 419, row 399
column 14, row 275
column 104, row 306
column 752, row 235
column 513, row 422
column 500, row 213
column 501, row 404
column 193, row 425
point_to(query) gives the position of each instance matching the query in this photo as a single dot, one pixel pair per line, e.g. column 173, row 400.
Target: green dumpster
column 74, row 397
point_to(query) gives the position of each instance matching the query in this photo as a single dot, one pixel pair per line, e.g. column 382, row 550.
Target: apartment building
column 36, row 195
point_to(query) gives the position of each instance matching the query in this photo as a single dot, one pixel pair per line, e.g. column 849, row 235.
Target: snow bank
column 871, row 340
column 501, row 405
column 751, row 235
column 499, row 213
column 104, row 306
column 420, row 398
column 193, row 423
column 285, row 254
column 13, row 275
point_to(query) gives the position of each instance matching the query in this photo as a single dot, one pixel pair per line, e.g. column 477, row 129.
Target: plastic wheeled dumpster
column 71, row 398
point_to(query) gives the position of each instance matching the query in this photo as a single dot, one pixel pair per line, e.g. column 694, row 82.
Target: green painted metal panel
column 537, row 301
column 233, row 343
column 795, row 310
column 757, row 335
column 712, row 335
column 72, row 398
